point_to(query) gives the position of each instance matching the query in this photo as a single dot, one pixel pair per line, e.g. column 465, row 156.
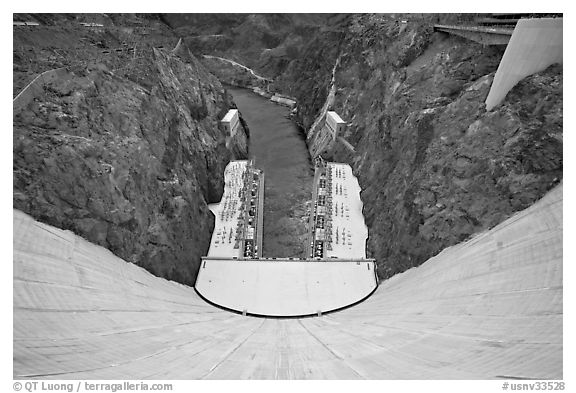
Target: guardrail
column 481, row 34
column 285, row 259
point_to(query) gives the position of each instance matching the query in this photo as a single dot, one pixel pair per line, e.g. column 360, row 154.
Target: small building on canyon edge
column 230, row 121
column 335, row 124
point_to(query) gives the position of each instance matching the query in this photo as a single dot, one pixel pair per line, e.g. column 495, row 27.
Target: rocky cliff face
column 129, row 160
column 434, row 166
column 129, row 163
column 266, row 43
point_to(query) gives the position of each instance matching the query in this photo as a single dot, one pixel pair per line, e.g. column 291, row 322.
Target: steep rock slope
column 60, row 40
column 434, row 166
column 129, row 163
column 266, row 43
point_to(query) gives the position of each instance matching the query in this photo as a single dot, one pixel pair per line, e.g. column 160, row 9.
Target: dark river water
column 279, row 148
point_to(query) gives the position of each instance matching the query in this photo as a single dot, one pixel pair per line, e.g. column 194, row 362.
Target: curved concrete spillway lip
column 491, row 307
column 285, row 288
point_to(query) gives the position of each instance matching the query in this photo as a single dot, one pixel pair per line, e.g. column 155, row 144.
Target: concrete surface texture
column 487, row 308
column 534, row 45
column 284, row 287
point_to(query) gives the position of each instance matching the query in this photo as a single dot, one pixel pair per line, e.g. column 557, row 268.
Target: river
column 279, row 148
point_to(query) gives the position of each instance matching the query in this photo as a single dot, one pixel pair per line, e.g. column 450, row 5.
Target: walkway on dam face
column 489, row 308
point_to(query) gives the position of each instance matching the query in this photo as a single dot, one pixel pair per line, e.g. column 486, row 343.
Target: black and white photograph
column 252, row 195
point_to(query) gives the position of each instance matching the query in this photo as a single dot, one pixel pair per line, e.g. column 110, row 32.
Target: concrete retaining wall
column 535, row 45
column 36, row 87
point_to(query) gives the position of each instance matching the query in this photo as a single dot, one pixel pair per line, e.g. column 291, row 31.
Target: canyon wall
column 434, row 166
column 265, row 42
column 129, row 160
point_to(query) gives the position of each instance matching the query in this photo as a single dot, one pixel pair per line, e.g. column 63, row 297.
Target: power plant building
column 238, row 216
column 230, row 121
column 335, row 124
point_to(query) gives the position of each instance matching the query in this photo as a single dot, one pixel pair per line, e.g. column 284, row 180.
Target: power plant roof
column 335, row 116
column 230, row 115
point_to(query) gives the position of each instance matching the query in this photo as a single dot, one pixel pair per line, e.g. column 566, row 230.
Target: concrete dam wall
column 491, row 307
column 534, row 45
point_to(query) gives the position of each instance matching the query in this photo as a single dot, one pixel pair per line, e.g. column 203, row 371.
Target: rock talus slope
column 129, row 163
